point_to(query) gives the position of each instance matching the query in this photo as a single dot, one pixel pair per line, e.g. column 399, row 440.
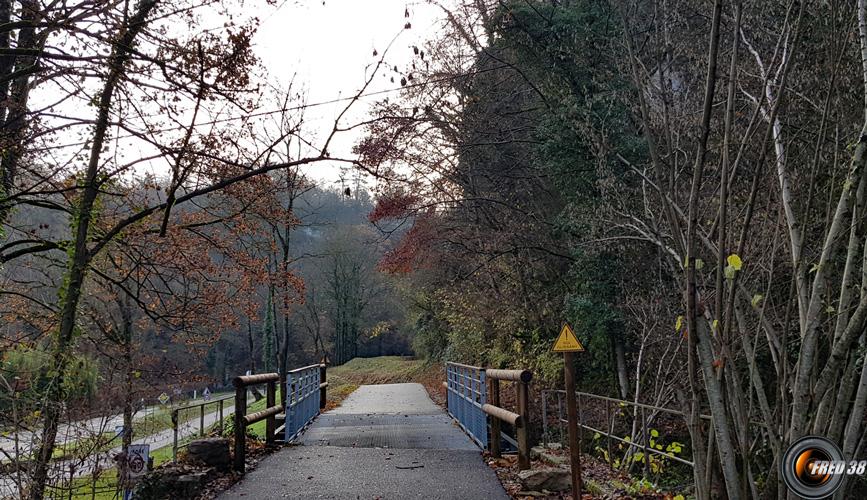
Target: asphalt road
column 384, row 442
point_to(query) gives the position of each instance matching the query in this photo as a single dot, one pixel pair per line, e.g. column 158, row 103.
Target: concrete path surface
column 385, row 441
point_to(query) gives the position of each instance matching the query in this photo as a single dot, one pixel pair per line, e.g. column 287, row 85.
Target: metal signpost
column 568, row 344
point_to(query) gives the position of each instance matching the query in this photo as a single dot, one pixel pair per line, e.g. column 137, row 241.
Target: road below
column 87, row 465
column 385, row 441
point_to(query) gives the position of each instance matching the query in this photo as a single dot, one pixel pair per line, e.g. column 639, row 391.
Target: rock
column 554, row 446
column 212, row 452
column 536, row 452
column 555, row 460
column 549, row 478
column 176, row 481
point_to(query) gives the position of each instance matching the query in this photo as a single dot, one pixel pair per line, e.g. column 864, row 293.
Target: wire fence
column 626, row 434
column 83, row 464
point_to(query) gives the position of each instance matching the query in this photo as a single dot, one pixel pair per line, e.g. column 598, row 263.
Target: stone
column 536, row 452
column 555, row 460
column 554, row 446
column 548, row 478
column 212, row 452
column 176, row 481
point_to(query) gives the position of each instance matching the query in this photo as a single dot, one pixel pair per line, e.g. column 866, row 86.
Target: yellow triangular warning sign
column 567, row 341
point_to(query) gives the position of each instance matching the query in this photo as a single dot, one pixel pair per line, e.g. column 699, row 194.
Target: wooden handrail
column 503, row 414
column 524, row 376
column 520, row 421
column 242, row 420
column 272, row 410
column 260, row 378
column 262, row 415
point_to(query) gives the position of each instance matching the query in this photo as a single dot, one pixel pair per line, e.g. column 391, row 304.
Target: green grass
column 344, row 379
column 106, row 484
column 102, row 487
column 85, row 446
column 381, row 370
column 257, row 429
column 156, row 420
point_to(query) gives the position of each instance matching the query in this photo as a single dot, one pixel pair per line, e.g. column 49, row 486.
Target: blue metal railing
column 302, row 399
column 467, row 394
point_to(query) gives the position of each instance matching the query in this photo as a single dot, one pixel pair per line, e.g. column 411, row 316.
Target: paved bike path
column 385, row 441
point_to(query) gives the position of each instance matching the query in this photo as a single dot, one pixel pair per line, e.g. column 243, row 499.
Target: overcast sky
column 329, row 46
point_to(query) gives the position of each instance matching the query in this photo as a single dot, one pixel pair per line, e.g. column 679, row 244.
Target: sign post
column 134, row 466
column 568, row 344
column 137, row 461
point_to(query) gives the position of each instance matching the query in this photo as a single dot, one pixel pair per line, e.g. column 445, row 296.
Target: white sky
column 329, row 47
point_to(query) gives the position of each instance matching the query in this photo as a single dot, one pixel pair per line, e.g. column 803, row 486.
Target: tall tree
column 268, row 352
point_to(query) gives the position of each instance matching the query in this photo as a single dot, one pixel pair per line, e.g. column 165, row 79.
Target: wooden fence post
column 222, row 427
column 522, row 431
column 323, row 380
column 175, row 433
column 240, row 428
column 270, row 422
column 610, row 429
column 494, row 444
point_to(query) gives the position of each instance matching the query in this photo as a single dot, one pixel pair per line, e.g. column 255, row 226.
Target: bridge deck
column 384, row 441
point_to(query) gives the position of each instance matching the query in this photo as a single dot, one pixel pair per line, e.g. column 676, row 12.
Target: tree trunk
column 698, row 334
column 251, row 346
column 128, row 398
column 620, row 362
column 6, row 62
column 15, row 112
column 79, row 260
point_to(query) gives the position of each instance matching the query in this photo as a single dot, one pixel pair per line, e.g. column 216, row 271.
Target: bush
column 29, row 368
